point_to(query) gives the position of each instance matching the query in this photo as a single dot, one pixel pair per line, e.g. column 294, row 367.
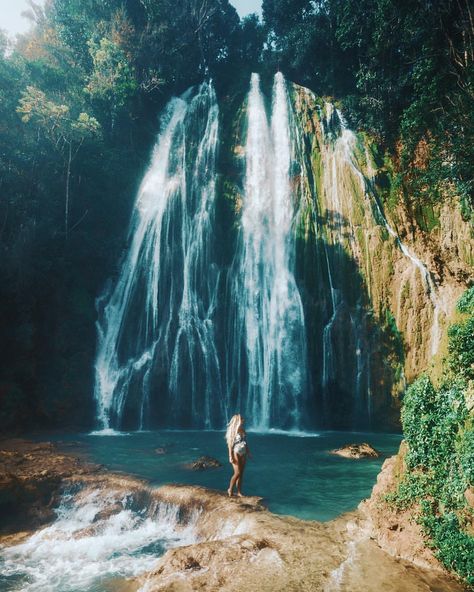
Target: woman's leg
column 234, row 478
column 240, row 475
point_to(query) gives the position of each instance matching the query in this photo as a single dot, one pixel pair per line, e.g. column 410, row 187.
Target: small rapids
column 97, row 536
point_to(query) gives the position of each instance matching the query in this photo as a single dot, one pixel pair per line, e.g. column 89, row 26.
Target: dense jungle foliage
column 438, row 427
column 404, row 71
column 80, row 96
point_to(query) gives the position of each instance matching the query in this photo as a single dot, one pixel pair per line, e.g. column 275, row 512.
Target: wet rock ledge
column 239, row 546
column 32, row 476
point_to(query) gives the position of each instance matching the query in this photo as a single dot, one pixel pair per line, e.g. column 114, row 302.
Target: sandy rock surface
column 396, row 530
column 244, row 547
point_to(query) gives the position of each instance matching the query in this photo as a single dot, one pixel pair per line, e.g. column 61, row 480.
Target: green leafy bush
column 461, row 348
column 466, row 302
column 454, row 547
column 466, row 453
column 438, row 428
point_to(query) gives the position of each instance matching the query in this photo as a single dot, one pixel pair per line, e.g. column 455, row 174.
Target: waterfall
column 155, row 326
column 267, row 356
column 348, row 141
column 191, row 331
column 342, row 180
column 344, row 316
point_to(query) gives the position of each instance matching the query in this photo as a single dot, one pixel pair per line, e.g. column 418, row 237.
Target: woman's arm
column 231, row 455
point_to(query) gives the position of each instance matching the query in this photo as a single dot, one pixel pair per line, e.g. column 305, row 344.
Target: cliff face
column 379, row 278
column 414, row 263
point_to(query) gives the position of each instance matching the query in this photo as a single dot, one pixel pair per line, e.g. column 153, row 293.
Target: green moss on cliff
column 426, row 216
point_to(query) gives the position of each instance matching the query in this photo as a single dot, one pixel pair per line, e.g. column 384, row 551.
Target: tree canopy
column 404, row 71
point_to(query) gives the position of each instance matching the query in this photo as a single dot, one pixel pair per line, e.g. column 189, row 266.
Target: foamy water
column 96, row 537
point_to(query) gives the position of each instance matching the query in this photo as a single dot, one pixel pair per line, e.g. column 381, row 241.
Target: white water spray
column 269, row 337
column 97, row 536
column 162, row 304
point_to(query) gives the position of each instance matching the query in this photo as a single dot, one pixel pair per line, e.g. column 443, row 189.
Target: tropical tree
column 65, row 132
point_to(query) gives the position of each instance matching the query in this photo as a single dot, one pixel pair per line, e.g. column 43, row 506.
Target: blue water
column 295, row 475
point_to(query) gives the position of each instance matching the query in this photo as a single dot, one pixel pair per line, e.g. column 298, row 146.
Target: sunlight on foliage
column 438, row 425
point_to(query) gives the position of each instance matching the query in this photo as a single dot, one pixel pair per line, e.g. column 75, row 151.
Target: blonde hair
column 232, row 429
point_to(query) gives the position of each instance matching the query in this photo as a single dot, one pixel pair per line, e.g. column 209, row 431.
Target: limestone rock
column 362, row 450
column 469, row 496
column 31, row 476
column 239, row 545
column 111, row 510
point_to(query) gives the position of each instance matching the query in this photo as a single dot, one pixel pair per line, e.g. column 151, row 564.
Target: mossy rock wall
column 344, row 193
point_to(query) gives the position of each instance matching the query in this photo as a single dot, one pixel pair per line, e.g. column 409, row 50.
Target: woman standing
column 238, row 452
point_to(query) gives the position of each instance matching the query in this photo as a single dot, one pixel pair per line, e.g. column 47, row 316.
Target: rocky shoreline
column 239, row 545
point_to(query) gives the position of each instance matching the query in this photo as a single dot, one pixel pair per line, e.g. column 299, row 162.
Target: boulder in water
column 203, row 463
column 106, row 513
column 362, row 450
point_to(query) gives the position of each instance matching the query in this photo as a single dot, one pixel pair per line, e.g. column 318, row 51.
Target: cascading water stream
column 341, row 174
column 336, row 198
column 335, row 231
column 98, row 536
column 186, row 342
column 348, row 141
column 269, row 340
column 162, row 305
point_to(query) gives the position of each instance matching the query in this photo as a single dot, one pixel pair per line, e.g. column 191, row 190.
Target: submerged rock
column 111, row 510
column 203, row 463
column 362, row 450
